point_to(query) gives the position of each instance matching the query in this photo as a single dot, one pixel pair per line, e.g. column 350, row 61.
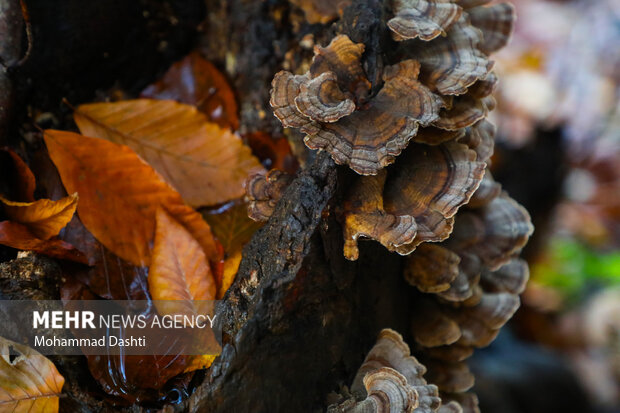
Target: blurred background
column 558, row 154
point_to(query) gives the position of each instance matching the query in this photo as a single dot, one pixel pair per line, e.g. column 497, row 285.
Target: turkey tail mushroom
column 422, row 19
column 415, row 201
column 263, row 191
column 391, row 380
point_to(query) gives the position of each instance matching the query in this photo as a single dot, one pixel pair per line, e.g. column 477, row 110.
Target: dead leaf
column 119, row 195
column 179, row 268
column 44, row 218
column 179, row 271
column 273, row 153
column 233, row 228
column 231, row 225
column 205, row 163
column 18, row 236
column 231, row 267
column 197, row 82
column 21, row 180
column 29, row 382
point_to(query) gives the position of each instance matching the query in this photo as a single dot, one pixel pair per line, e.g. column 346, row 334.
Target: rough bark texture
column 299, row 318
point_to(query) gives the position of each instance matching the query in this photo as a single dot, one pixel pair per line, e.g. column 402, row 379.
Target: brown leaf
column 233, row 228
column 18, row 236
column 197, row 82
column 119, row 195
column 21, row 179
column 44, row 218
column 273, row 153
column 28, row 383
column 205, row 163
column 179, row 269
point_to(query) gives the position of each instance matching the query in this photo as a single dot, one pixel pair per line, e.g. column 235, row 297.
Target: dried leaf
column 273, row 153
column 28, row 383
column 18, row 236
column 21, row 180
column 119, row 195
column 179, row 269
column 231, row 266
column 44, row 218
column 197, row 82
column 232, row 227
column 205, row 163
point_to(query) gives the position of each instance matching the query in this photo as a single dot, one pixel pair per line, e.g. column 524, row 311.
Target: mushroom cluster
column 421, row 145
column 390, row 380
column 469, row 287
column 427, row 116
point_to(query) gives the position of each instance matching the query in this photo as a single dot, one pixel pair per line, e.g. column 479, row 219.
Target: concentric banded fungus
column 415, row 201
column 431, row 184
column 480, row 137
column 263, row 191
column 366, row 217
column 330, row 104
column 510, row 277
column 423, row 19
column 452, row 63
column 496, row 23
column 432, row 270
column 494, row 233
column 390, row 366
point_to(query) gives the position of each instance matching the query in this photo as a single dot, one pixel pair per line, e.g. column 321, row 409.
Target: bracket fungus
column 414, row 201
column 391, row 380
column 424, row 112
column 422, row 19
column 332, row 105
column 263, row 191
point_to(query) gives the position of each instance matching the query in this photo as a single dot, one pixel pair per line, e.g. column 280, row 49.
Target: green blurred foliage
column 574, row 268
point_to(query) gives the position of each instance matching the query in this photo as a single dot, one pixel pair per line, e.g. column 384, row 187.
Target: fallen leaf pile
column 135, row 175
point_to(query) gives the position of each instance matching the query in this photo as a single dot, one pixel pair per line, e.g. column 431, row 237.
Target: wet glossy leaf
column 197, row 82
column 204, row 162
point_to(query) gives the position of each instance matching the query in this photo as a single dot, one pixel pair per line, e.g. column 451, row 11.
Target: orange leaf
column 232, row 226
column 179, row 268
column 29, row 382
column 231, row 266
column 44, row 218
column 179, row 271
column 207, row 164
column 22, row 182
column 17, row 236
column 197, row 82
column 119, row 195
